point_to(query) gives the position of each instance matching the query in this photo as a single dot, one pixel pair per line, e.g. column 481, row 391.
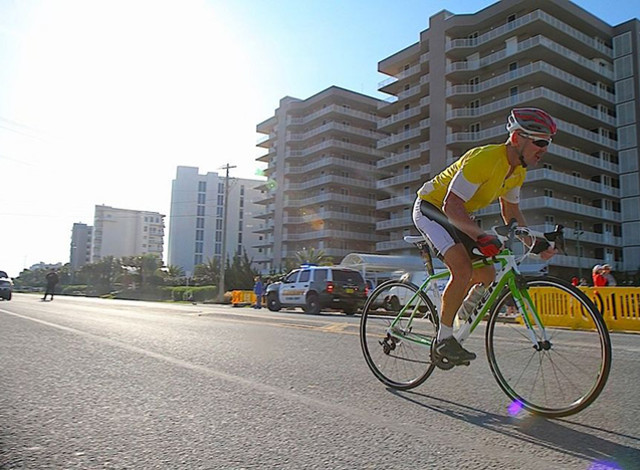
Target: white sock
column 444, row 332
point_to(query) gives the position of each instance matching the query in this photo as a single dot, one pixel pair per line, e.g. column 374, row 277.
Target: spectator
column 52, row 279
column 574, row 281
column 606, row 272
column 583, row 282
column 258, row 290
column 598, row 279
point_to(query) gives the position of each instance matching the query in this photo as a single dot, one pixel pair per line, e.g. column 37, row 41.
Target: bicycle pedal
column 440, row 364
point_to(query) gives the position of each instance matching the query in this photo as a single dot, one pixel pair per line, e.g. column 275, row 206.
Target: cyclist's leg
column 446, row 241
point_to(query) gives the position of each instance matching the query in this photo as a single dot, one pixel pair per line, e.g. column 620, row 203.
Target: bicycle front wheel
column 553, row 378
column 397, row 326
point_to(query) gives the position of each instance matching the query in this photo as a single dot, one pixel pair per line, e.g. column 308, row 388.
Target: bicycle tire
column 399, row 357
column 568, row 376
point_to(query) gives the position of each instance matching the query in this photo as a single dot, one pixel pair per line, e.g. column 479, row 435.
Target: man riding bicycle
column 443, row 208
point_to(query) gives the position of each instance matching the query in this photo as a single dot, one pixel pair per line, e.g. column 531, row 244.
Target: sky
column 101, row 100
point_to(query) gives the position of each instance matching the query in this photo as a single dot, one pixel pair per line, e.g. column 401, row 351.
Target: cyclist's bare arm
column 455, row 211
column 510, row 211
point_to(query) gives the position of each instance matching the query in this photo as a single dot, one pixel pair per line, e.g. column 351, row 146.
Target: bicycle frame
column 507, row 275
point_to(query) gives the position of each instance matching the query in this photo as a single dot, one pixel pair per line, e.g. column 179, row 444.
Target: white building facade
column 80, row 251
column 196, row 221
column 124, row 232
column 321, row 169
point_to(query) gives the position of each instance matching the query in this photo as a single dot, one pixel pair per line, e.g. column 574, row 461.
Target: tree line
column 146, row 277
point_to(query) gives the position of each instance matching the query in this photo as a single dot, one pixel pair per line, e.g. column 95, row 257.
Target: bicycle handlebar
column 541, row 241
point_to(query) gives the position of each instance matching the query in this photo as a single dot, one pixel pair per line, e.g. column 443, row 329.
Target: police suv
column 317, row 287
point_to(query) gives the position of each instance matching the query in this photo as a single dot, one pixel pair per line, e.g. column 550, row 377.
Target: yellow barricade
column 240, row 298
column 620, row 307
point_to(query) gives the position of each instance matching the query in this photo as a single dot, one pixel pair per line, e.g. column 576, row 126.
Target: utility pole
column 221, row 287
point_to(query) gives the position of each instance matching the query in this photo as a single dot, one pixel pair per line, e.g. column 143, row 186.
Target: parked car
column 6, row 288
column 314, row 288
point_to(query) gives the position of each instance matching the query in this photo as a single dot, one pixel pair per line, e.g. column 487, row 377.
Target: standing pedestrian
column 606, row 272
column 258, row 290
column 52, row 279
column 598, row 279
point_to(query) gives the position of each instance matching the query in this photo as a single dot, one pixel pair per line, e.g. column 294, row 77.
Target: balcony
column 329, row 162
column 543, row 202
column 330, row 197
column 333, row 126
column 397, row 201
column 334, row 234
column 333, row 143
column 329, row 179
column 530, row 69
column 563, row 179
column 524, row 46
column 583, row 158
column 525, row 20
column 329, row 215
column 537, row 93
column 398, row 222
column 402, row 75
column 397, row 138
column 399, row 180
column 399, row 117
column 396, row 159
column 332, row 108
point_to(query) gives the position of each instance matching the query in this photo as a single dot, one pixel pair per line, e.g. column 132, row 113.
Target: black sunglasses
column 541, row 143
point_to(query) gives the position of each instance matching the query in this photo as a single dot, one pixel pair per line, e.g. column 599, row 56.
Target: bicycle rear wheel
column 558, row 378
column 397, row 327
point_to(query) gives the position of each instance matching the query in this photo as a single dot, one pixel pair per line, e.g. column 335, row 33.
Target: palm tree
column 312, row 256
column 207, row 273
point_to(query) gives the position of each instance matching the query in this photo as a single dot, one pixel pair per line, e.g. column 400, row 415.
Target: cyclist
column 443, row 208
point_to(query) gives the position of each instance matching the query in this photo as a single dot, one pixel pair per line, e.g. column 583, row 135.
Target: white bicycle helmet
column 531, row 121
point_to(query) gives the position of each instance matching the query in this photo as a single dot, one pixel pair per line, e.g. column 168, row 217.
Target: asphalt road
column 89, row 383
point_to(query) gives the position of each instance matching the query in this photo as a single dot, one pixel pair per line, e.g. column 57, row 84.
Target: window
column 475, row 127
column 513, row 66
column 548, row 193
column 220, row 188
column 511, row 18
column 200, row 235
column 577, row 199
column 202, row 186
column 200, row 211
column 199, row 222
column 304, row 276
column 513, row 91
column 199, row 246
column 201, row 198
column 220, row 199
column 549, row 219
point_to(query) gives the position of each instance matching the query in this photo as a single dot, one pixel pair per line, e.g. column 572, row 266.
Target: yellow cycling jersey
column 482, row 181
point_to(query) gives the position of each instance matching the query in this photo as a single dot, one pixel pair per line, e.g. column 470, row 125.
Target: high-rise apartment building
column 197, row 223
column 454, row 88
column 124, row 232
column 80, row 252
column 321, row 170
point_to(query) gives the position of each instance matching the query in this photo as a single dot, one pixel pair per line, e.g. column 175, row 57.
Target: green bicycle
column 543, row 364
